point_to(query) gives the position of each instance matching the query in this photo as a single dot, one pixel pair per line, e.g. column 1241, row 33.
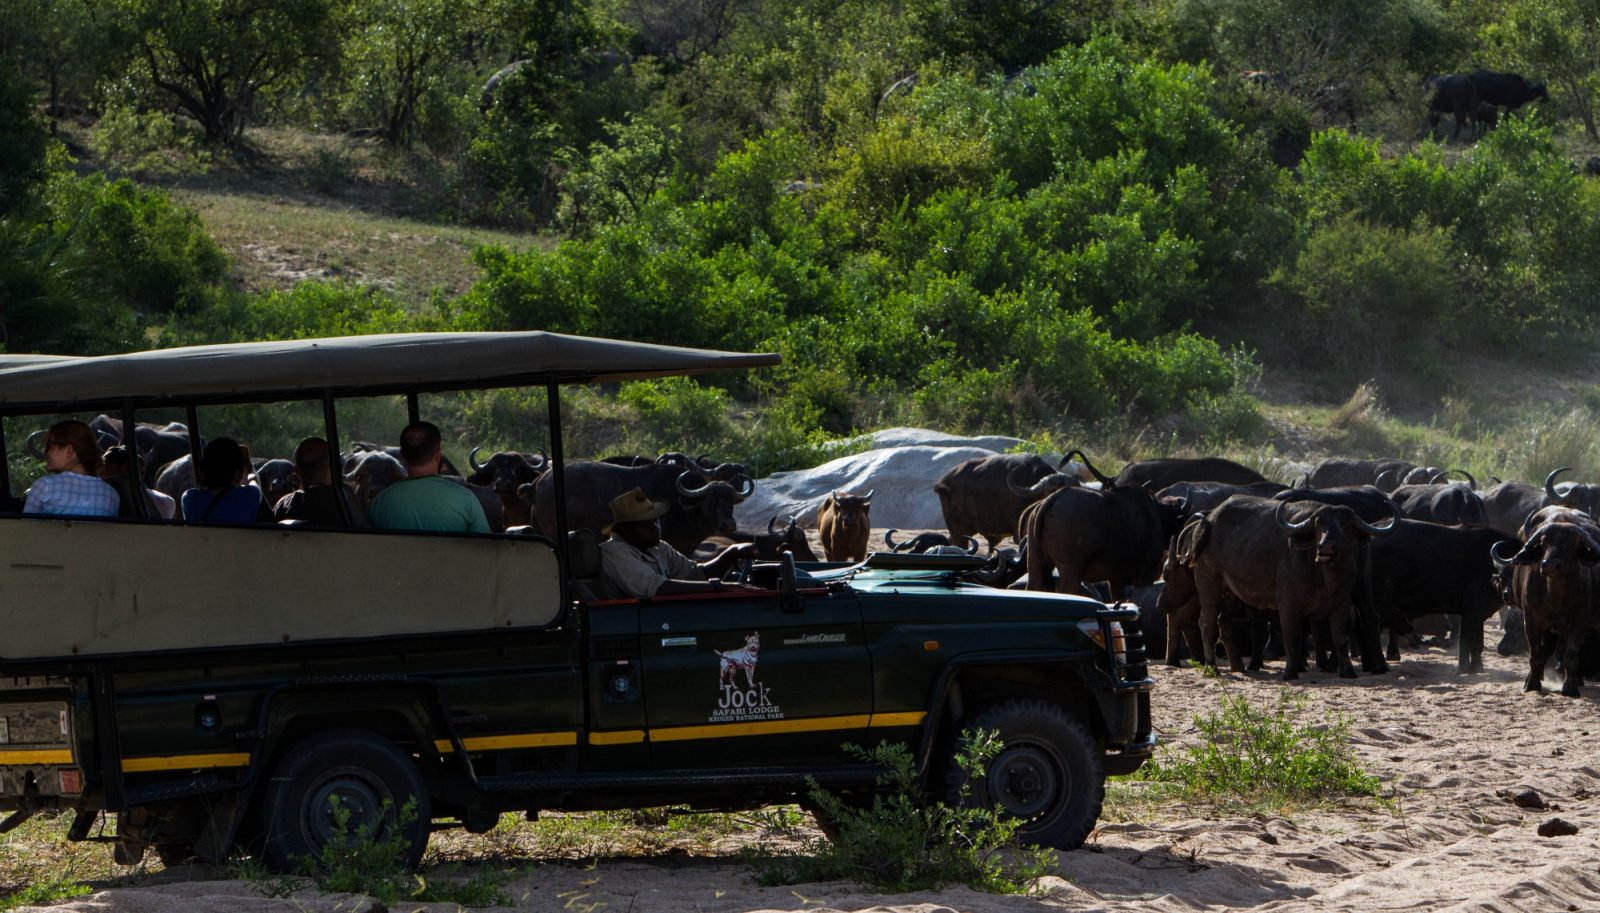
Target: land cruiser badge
column 753, row 701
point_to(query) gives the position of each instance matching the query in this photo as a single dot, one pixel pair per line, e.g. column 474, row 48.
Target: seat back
column 583, row 562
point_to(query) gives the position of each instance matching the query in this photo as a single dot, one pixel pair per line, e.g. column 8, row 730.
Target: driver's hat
column 633, row 505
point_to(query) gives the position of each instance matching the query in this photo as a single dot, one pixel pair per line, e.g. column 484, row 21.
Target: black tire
column 174, row 854
column 363, row 771
column 1048, row 774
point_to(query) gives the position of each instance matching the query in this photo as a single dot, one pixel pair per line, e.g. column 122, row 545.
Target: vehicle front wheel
column 1047, row 774
column 340, row 772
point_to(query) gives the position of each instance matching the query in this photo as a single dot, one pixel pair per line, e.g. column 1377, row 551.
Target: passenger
column 314, row 501
column 227, row 495
column 425, row 500
column 114, row 470
column 71, row 457
column 635, row 563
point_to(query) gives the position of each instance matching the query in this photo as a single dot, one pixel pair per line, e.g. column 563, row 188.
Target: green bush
column 147, row 142
column 309, row 309
column 904, row 841
column 675, row 413
column 136, row 245
column 1266, row 755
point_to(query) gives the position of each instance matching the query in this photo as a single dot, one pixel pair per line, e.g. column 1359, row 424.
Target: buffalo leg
column 1393, row 654
column 1339, row 631
column 1210, row 595
column 1572, row 662
column 1260, row 636
column 1540, row 645
column 1323, row 643
column 1469, row 651
column 1183, row 624
column 1294, row 641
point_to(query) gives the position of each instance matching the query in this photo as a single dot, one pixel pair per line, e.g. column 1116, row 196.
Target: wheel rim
column 344, row 790
column 1026, row 781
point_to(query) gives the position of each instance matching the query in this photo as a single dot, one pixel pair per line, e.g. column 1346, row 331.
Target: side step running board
column 564, row 781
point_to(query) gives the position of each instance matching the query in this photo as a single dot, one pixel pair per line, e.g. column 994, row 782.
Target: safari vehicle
column 228, row 687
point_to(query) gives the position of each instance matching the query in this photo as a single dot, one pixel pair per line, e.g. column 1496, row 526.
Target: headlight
column 1119, row 643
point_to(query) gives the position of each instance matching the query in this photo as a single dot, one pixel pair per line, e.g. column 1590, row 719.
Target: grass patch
column 277, row 240
column 46, row 892
column 905, row 842
column 1266, row 755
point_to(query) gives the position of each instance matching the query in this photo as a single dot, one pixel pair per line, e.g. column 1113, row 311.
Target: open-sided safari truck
column 221, row 687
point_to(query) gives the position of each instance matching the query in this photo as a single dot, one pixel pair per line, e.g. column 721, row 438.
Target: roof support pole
column 5, row 469
column 330, row 421
column 413, row 413
column 130, row 444
column 558, row 468
column 192, row 415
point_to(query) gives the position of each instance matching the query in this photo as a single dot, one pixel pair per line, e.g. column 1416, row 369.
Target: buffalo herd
column 1225, row 562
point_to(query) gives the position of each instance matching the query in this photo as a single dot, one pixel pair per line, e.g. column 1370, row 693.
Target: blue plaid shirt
column 73, row 495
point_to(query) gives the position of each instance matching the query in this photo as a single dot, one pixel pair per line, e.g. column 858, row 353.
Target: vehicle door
column 736, row 680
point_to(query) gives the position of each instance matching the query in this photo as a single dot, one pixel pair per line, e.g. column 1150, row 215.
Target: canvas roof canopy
column 345, row 365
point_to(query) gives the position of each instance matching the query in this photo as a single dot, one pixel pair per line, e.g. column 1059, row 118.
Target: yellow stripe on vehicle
column 36, row 756
column 618, row 737
column 522, row 740
column 185, row 762
column 766, row 727
column 907, row 718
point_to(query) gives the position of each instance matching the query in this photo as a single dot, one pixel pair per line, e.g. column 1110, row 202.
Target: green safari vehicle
column 222, row 688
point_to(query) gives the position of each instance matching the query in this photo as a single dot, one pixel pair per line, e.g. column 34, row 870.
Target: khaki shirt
column 628, row 571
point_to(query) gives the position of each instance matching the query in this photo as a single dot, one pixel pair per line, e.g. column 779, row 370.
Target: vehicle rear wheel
column 342, row 770
column 1048, row 774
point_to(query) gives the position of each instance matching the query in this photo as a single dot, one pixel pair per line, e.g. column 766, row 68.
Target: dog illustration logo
column 743, row 658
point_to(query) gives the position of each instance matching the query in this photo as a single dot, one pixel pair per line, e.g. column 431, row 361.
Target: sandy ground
column 1453, row 749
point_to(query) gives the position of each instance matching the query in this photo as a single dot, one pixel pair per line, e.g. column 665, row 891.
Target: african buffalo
column 504, row 473
column 1422, row 568
column 1553, row 580
column 1159, row 474
column 844, row 523
column 1451, row 504
column 984, row 495
column 371, row 471
column 1507, row 504
column 1301, row 558
column 1456, row 95
column 1581, row 495
column 697, row 507
column 1339, row 472
column 774, row 542
column 1507, row 90
column 1116, row 534
column 1199, row 497
column 921, row 543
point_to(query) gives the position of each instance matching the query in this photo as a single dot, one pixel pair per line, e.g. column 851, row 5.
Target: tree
column 1560, row 40
column 65, row 44
column 395, row 52
column 215, row 58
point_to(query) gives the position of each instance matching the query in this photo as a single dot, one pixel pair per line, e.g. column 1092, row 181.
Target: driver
column 635, row 563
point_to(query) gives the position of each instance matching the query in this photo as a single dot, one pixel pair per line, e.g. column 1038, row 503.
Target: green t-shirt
column 429, row 503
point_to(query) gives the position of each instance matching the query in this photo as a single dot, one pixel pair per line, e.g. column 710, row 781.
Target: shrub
column 675, row 413
column 1267, row 755
column 309, row 309
column 903, row 841
column 147, row 142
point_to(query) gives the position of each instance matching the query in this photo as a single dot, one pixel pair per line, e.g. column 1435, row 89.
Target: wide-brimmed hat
column 633, row 505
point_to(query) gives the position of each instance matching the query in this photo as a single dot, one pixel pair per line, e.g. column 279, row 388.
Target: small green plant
column 263, row 880
column 359, row 862
column 1267, row 754
column 904, row 841
column 46, row 892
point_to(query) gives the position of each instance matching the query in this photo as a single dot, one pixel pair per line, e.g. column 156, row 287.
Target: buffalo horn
column 772, row 523
column 538, row 459
column 746, row 487
column 1284, row 524
column 1378, row 482
column 868, row 495
column 1099, row 476
column 1494, row 553
column 687, row 489
column 972, row 545
column 33, row 445
column 472, row 459
column 1370, row 529
column 1550, row 483
column 888, row 540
